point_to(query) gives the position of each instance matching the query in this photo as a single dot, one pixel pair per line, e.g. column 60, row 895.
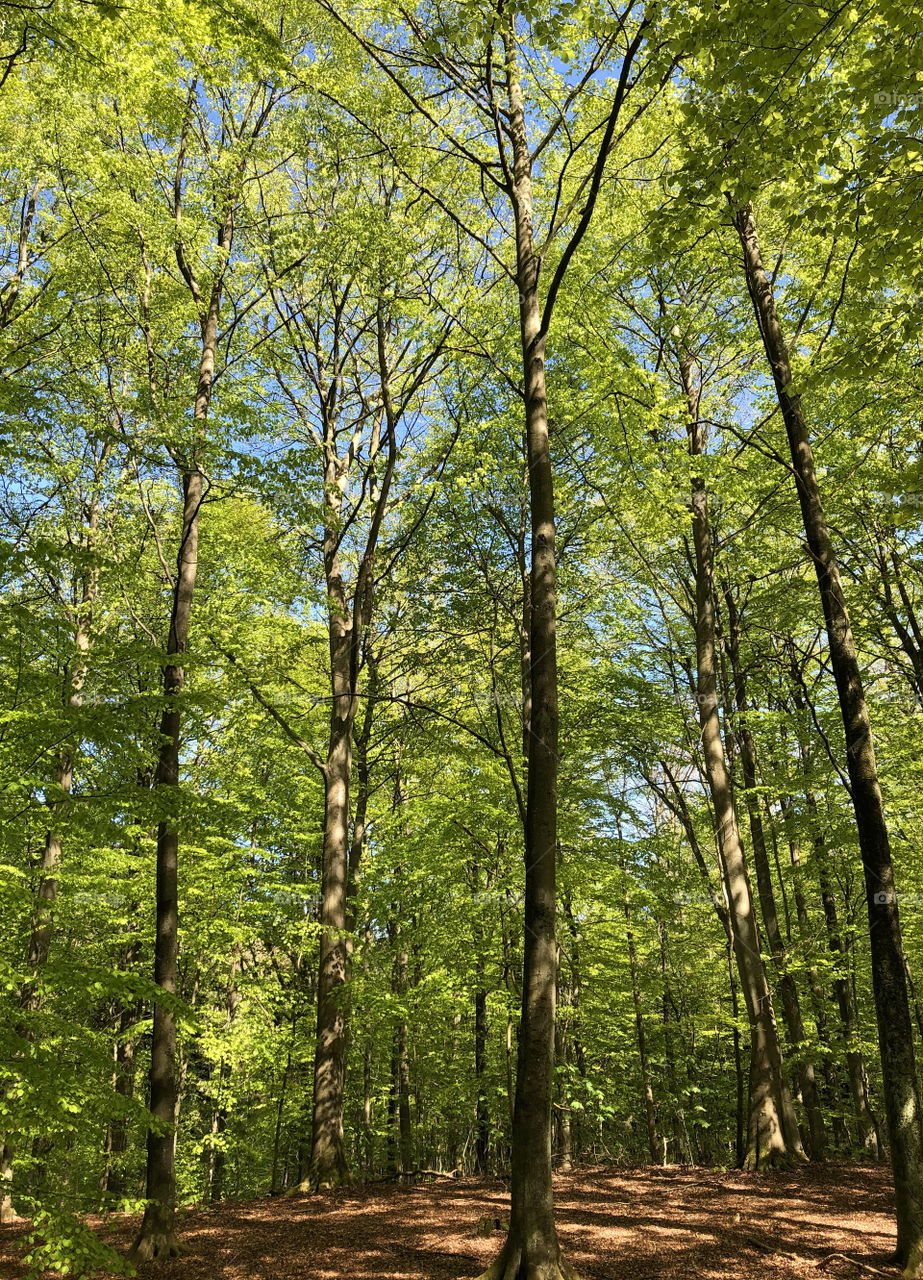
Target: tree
column 895, row 1029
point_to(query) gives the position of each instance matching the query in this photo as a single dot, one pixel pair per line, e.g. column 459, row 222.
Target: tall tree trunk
column 889, row 978
column 895, row 1031
column 511, row 982
column 866, row 1122
column 368, row 1134
column 787, row 989
column 481, row 1111
column 157, row 1235
column 531, row 1250
column 670, row 1015
column 846, row 1006
column 362, row 734
column 348, row 621
column 740, row 1117
column 392, row 1160
column 676, row 802
column 7, row 1210
column 275, row 1184
column 650, row 1114
column 157, row 1238
column 772, row 1130
column 328, row 1166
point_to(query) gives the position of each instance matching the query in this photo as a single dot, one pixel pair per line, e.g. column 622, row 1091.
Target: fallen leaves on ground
column 614, row 1224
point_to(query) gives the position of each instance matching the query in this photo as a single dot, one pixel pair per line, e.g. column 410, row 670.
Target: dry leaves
column 615, row 1224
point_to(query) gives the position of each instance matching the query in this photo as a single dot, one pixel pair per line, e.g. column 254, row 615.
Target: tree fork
column 532, row 1251
column 156, row 1237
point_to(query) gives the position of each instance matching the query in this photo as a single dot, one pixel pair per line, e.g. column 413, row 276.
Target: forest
column 461, row 645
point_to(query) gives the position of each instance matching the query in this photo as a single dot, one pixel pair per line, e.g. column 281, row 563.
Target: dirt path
column 649, row 1224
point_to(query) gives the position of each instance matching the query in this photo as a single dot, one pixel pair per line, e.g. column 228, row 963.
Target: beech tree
column 424, row 436
column 902, row 1097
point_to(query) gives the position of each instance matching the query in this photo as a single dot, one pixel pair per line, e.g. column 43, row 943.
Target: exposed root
column 853, row 1262
column 752, row 1242
column 509, row 1265
column 317, row 1184
column 155, row 1246
column 785, row 1161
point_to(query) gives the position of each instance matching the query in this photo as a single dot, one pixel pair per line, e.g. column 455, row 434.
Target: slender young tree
column 650, row 1111
column 785, row 982
column 156, row 1237
column 773, row 1136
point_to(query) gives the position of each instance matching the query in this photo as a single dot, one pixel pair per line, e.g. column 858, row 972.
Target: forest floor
column 614, row 1224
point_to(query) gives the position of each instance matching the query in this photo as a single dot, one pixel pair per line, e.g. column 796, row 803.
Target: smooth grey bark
column 349, row 616
column 157, row 1235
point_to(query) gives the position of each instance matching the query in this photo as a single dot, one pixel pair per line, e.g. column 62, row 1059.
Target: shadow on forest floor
column 615, row 1224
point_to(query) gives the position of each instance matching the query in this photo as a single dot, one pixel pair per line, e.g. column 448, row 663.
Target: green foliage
column 373, row 261
column 61, row 1242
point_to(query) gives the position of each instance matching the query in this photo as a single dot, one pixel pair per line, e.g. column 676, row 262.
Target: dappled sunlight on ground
column 645, row 1224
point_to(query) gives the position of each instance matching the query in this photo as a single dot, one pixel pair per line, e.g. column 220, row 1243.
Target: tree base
column 914, row 1268
column 510, row 1265
column 758, row 1162
column 317, row 1186
column 155, row 1247
column 318, row 1180
column 156, row 1239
